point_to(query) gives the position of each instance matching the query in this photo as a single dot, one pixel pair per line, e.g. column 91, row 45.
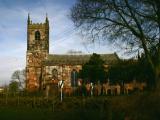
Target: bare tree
column 128, row 22
column 19, row 76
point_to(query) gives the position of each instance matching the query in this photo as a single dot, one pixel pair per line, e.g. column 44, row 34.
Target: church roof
column 57, row 59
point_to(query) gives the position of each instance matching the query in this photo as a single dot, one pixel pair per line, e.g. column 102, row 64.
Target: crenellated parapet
column 37, row 26
column 32, row 25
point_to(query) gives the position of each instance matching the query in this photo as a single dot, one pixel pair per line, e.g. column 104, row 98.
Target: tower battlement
column 37, row 25
column 44, row 24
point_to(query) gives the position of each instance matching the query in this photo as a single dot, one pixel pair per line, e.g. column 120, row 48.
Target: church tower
column 37, row 51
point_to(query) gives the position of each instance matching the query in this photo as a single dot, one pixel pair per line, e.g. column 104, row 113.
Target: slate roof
column 58, row 59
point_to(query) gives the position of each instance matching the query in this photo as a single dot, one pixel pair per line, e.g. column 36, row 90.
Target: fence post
column 6, row 100
column 18, row 100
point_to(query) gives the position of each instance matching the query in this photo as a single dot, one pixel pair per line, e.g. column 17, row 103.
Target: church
column 43, row 68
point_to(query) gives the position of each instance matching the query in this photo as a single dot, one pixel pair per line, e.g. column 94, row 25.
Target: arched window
column 54, row 74
column 74, row 78
column 37, row 35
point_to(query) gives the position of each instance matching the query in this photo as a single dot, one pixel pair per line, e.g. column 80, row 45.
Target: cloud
column 8, row 65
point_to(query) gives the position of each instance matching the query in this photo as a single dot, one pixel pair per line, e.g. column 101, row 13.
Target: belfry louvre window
column 37, row 35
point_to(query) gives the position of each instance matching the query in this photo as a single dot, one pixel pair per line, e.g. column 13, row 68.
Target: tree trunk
column 157, row 77
column 151, row 83
column 157, row 68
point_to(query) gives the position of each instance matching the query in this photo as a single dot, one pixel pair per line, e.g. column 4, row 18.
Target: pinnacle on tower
column 47, row 21
column 28, row 19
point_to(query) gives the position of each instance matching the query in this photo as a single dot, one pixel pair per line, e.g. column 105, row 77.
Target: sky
column 63, row 34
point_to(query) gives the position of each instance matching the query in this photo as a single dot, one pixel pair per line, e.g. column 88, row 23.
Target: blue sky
column 63, row 35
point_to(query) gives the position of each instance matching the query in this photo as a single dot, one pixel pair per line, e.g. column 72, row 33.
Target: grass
column 10, row 113
column 135, row 107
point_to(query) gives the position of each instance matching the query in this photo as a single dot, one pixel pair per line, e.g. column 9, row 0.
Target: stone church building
column 43, row 68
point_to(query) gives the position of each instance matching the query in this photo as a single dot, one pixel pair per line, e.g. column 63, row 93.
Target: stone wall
column 64, row 73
